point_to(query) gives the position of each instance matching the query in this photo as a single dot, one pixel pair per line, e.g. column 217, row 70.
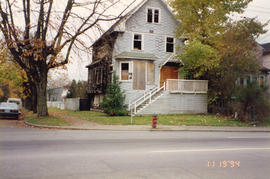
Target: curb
column 161, row 128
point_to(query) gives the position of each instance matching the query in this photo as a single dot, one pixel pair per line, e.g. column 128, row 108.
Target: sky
column 261, row 10
column 257, row 8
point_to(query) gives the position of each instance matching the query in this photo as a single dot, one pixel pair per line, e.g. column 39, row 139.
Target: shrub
column 113, row 102
column 252, row 103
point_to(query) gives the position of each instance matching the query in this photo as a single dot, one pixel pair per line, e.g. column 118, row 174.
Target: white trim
column 153, row 15
column 146, row 70
column 130, row 70
column 148, row 33
column 142, row 44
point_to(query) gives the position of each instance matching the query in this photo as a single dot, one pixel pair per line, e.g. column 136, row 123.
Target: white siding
column 178, row 104
column 154, row 42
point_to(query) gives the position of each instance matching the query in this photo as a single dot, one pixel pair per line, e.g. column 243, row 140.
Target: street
column 36, row 153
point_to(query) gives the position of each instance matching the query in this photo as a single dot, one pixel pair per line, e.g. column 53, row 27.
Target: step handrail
column 145, row 98
column 140, row 97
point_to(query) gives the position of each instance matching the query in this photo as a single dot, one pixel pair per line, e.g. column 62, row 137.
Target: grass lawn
column 180, row 119
column 49, row 121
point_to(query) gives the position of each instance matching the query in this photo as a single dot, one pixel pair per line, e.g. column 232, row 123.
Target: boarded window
column 169, row 44
column 139, row 75
column 150, row 73
column 124, row 71
column 137, row 44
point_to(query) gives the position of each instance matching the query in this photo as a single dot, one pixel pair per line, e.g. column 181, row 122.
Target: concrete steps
column 148, row 102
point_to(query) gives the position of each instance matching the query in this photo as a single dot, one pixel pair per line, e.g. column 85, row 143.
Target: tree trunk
column 34, row 99
column 41, row 89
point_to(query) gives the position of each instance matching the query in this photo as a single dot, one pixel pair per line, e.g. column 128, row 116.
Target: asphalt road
column 35, row 153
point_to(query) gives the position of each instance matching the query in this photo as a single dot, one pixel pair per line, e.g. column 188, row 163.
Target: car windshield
column 17, row 102
column 8, row 105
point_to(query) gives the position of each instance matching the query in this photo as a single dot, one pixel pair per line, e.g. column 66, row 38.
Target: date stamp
column 224, row 164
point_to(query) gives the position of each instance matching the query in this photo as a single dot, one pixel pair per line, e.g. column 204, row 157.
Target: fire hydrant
column 154, row 121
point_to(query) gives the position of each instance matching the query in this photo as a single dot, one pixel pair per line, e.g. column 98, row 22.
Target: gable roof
column 119, row 25
column 266, row 48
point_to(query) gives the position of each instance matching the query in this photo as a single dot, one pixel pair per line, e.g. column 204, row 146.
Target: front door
column 168, row 72
column 139, row 77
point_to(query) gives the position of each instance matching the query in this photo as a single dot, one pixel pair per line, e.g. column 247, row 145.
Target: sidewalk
column 93, row 126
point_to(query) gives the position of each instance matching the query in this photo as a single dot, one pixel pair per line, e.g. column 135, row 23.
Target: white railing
column 147, row 96
column 187, row 86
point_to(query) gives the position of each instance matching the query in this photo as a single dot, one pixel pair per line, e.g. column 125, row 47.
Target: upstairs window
column 156, row 17
column 170, row 44
column 137, row 42
column 150, row 15
column 153, row 15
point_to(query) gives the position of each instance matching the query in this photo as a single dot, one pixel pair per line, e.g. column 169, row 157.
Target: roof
column 93, row 63
column 265, row 69
column 266, row 48
column 118, row 25
column 136, row 55
column 172, row 58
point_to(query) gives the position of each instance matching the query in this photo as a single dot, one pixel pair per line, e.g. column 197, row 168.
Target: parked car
column 15, row 100
column 9, row 110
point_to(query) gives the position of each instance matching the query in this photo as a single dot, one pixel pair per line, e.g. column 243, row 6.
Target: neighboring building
column 141, row 49
column 266, row 64
column 263, row 78
column 56, row 94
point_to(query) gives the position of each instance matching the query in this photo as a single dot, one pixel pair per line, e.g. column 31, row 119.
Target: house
column 56, row 94
column 266, row 66
column 141, row 49
column 263, row 78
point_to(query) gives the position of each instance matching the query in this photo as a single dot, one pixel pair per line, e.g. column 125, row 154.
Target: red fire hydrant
column 154, row 121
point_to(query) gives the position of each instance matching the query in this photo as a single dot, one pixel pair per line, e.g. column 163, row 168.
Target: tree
column 47, row 30
column 11, row 77
column 204, row 20
column 238, row 51
column 198, row 59
column 77, row 89
column 219, row 49
column 113, row 102
column 252, row 104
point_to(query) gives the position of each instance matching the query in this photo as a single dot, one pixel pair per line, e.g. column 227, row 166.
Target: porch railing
column 187, row 86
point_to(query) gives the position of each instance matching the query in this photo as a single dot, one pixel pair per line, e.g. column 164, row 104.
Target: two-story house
column 141, row 49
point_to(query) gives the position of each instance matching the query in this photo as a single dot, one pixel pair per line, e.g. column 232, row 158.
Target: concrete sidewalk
column 159, row 128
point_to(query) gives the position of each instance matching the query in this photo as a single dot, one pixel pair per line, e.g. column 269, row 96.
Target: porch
column 173, row 97
column 186, row 86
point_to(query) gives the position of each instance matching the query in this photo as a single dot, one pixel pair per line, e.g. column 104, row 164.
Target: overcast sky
column 257, row 8
column 261, row 10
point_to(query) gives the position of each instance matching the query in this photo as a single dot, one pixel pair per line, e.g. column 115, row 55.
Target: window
column 249, row 79
column 242, row 81
column 126, row 71
column 137, row 42
column 262, row 81
column 170, row 44
column 156, row 17
column 152, row 15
